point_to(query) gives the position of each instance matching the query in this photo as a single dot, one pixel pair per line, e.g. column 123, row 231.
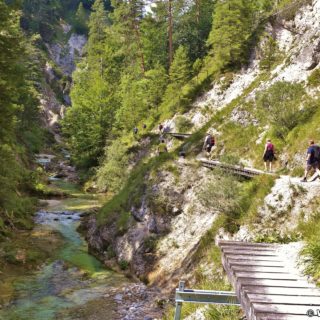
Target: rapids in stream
column 67, row 282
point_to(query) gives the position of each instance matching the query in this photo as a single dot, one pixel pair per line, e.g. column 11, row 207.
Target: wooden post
column 177, row 315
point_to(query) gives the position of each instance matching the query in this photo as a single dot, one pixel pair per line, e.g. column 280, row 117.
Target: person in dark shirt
column 268, row 155
column 312, row 160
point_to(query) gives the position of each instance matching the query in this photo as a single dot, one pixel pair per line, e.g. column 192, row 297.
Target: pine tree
column 18, row 114
column 232, row 26
column 98, row 22
column 81, row 20
column 180, row 72
column 180, row 68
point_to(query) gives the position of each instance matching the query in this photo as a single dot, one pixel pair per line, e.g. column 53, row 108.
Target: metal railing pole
column 177, row 315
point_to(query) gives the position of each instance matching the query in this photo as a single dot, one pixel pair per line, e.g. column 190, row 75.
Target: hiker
column 313, row 157
column 209, row 142
column 162, row 147
column 268, row 155
column 144, row 126
column 160, row 127
column 135, row 130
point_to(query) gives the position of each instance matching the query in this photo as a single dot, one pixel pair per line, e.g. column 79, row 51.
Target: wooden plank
column 279, row 316
column 274, row 283
column 303, row 292
column 255, row 263
column 259, row 269
column 282, row 308
column 266, row 275
column 264, row 285
column 253, row 258
column 248, row 244
column 254, row 248
column 283, row 299
column 251, row 252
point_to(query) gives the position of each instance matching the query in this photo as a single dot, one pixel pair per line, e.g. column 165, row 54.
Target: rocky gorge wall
column 60, row 62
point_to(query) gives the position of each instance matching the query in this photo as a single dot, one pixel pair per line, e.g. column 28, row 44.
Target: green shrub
column 270, row 53
column 275, row 237
column 230, row 159
column 297, row 172
column 282, row 106
column 314, row 78
column 123, row 222
column 311, row 251
column 114, row 169
column 222, row 192
column 124, row 265
column 150, row 243
column 183, row 124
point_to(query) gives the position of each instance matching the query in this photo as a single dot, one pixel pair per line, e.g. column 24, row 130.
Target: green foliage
column 222, row 192
column 18, row 121
column 311, row 252
column 270, row 53
column 123, row 264
column 130, row 194
column 183, row 124
column 231, row 28
column 275, row 237
column 113, row 172
column 252, row 197
column 81, row 20
column 97, row 24
column 314, row 78
column 179, row 75
column 238, row 202
column 150, row 243
column 281, row 104
column 123, row 222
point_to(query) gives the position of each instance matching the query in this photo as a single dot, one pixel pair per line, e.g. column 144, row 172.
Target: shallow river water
column 69, row 281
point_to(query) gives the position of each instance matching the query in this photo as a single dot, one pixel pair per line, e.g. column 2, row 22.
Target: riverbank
column 49, row 273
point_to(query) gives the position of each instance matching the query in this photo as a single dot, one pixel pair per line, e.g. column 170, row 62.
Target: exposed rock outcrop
column 165, row 230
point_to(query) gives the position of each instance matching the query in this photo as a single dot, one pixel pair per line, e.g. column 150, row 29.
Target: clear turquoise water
column 71, row 278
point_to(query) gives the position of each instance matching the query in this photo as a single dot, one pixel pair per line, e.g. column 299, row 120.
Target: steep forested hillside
column 20, row 123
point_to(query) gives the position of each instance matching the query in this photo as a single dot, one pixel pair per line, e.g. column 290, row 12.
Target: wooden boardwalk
column 234, row 169
column 265, row 285
column 179, row 135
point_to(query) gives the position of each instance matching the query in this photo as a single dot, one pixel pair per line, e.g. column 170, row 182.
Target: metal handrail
column 184, row 295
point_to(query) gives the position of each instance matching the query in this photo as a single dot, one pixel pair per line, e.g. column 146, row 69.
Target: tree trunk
column 170, row 30
column 136, row 30
column 198, row 11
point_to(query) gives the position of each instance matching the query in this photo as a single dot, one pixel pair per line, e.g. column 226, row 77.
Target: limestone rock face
column 66, row 55
column 165, row 228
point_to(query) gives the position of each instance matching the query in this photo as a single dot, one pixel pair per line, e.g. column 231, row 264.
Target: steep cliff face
column 167, row 225
column 60, row 62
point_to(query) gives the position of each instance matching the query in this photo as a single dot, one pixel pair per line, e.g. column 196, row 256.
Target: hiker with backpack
column 209, row 143
column 135, row 130
column 160, row 127
column 268, row 155
column 313, row 160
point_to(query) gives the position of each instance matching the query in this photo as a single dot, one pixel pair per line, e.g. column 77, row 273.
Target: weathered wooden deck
column 234, row 169
column 265, row 285
column 178, row 135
